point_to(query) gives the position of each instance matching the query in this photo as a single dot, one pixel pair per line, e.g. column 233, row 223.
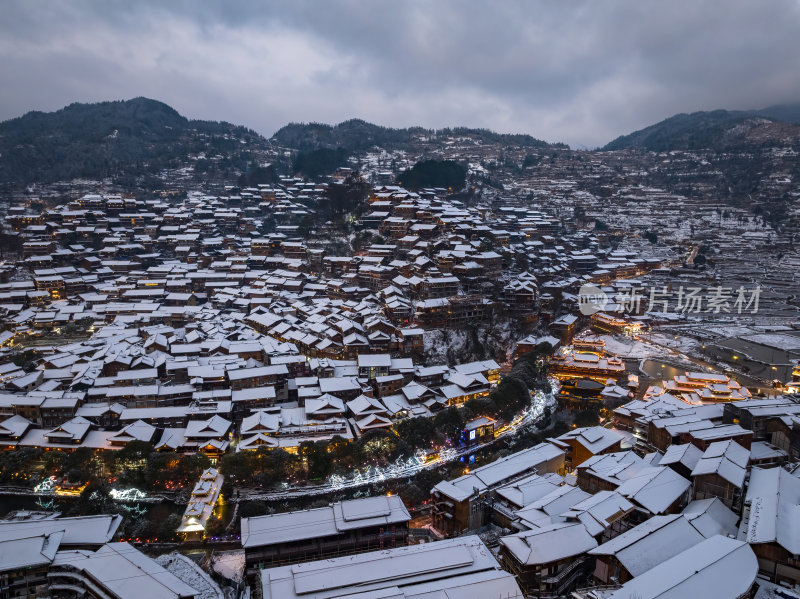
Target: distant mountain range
column 357, row 135
column 133, row 141
column 716, row 130
column 121, row 139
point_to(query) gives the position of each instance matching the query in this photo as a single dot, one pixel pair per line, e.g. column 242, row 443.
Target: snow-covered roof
column 498, row 471
column 711, row 517
column 651, row 542
column 687, row 455
column 555, row 502
column 29, row 552
column 214, row 427
column 81, row 531
column 135, row 431
column 323, row 522
column 599, row 511
column 727, row 459
column 595, row 439
column 461, row 567
column 126, row 572
column 374, row 361
column 654, row 488
column 527, row 490
column 549, row 543
column 774, row 498
column 716, row 568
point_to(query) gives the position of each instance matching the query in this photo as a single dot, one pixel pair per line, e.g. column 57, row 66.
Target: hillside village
column 345, row 387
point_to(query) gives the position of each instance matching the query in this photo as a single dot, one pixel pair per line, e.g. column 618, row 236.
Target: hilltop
column 717, row 130
column 357, row 135
column 120, row 139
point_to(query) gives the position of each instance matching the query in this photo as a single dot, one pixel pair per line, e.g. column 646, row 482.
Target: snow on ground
column 683, row 344
column 626, row 347
column 438, row 341
column 190, row 573
column 229, row 564
column 729, row 330
column 456, row 346
column 769, row 590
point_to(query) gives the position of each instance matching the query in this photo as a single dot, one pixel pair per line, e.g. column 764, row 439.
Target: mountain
column 122, row 140
column 357, row 135
column 717, row 130
column 789, row 113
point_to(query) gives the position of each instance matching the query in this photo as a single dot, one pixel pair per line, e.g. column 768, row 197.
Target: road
column 411, row 466
column 373, row 475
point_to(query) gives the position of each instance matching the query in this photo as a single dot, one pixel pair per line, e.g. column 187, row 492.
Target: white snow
column 190, row 573
column 229, row 564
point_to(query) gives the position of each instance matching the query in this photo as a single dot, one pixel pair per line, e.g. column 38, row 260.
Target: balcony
column 566, row 576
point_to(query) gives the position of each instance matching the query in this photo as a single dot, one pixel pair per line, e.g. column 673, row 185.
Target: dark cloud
column 581, row 72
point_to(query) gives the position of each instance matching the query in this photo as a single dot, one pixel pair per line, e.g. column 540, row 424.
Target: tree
column 530, row 160
column 427, row 479
column 16, row 465
column 76, row 475
column 412, row 495
column 416, row 432
column 481, row 406
column 361, row 241
column 376, row 444
column 133, row 456
column 346, row 454
column 305, row 226
column 511, row 395
column 143, row 528
column 168, row 527
column 159, row 468
column 251, row 509
column 81, row 460
column 10, row 244
column 345, row 198
column 322, row 161
column 434, row 173
column 589, row 417
column 449, row 422
column 319, row 463
column 189, row 468
column 488, row 243
column 238, row 465
column 259, row 175
column 277, row 463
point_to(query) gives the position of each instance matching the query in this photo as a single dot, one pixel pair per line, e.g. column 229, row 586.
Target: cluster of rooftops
column 207, row 330
column 105, row 253
column 198, row 386
column 604, row 504
column 48, row 554
column 583, row 513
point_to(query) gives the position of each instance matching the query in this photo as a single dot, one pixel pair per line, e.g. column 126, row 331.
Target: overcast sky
column 578, row 72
